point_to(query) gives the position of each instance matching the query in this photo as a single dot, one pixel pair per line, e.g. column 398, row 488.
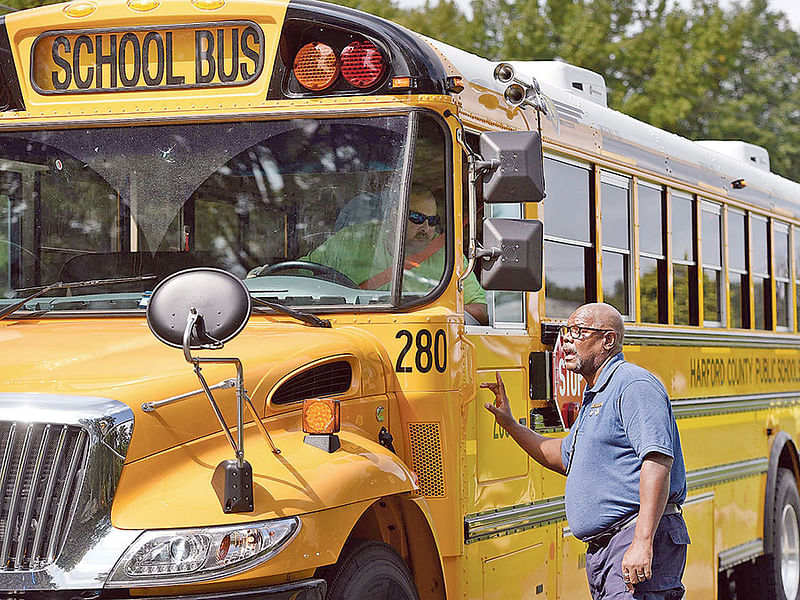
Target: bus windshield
column 304, row 210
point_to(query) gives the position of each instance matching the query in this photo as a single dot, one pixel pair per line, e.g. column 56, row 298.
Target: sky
column 791, row 8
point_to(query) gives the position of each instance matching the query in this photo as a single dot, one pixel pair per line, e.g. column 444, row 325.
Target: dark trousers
column 604, row 564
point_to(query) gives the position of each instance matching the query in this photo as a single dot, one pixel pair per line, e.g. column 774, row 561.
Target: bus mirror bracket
column 204, row 308
column 515, row 170
column 512, row 255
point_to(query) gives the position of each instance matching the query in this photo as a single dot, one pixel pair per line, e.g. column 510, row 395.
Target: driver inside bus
column 364, row 252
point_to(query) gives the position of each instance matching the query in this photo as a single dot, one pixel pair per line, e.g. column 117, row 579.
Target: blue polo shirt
column 624, row 417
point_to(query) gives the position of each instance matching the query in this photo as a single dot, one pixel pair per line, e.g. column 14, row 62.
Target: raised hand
column 501, row 409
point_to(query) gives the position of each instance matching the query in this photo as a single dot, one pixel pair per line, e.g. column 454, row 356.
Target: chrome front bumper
column 308, row 589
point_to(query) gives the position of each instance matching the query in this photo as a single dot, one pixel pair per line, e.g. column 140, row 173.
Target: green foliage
column 703, row 72
column 13, row 5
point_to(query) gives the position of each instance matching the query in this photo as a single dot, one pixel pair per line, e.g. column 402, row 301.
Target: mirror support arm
column 192, row 320
column 237, row 449
column 476, row 168
column 473, row 218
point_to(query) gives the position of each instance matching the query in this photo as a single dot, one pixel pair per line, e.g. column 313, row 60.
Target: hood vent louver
column 323, row 380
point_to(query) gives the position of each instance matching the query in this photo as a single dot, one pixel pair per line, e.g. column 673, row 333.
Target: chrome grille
column 40, row 477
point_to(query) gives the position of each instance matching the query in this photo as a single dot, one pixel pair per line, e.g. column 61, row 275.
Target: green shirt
column 360, row 252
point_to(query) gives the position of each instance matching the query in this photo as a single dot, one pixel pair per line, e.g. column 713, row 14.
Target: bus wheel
column 784, row 555
column 370, row 570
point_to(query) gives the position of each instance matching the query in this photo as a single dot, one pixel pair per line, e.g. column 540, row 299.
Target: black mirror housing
column 519, row 264
column 221, row 300
column 519, row 176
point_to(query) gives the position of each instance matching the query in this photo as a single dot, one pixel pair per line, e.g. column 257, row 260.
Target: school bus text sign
column 147, row 58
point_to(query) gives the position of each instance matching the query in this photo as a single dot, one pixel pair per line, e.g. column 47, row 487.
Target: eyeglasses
column 576, row 331
column 418, row 218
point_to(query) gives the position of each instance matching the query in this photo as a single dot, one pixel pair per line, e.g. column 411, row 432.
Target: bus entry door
column 499, row 456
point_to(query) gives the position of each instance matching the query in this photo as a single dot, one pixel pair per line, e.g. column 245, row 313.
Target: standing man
column 623, row 461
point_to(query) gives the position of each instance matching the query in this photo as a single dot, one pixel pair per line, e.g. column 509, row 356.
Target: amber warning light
column 317, row 66
column 321, row 423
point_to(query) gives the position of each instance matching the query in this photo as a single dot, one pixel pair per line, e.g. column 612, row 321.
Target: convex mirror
column 519, row 172
column 221, row 300
column 518, row 264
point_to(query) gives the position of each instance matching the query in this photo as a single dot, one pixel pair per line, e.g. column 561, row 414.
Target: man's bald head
column 599, row 331
column 605, row 316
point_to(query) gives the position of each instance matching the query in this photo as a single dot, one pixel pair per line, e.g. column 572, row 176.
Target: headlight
column 167, row 557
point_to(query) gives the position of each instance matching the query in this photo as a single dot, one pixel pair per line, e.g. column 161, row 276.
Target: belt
column 602, row 539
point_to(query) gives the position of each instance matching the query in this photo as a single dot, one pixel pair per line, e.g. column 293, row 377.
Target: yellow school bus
column 371, row 223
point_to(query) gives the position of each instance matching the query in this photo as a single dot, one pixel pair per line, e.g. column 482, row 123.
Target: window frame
column 794, row 241
column 714, row 208
column 758, row 279
column 787, row 281
column 735, row 271
column 661, row 259
column 492, row 295
column 623, row 182
column 692, row 263
column 589, row 288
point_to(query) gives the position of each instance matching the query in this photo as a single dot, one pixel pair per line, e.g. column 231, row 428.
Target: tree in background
column 702, row 72
column 762, row 95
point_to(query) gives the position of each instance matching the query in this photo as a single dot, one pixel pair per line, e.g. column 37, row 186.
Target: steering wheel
column 317, row 269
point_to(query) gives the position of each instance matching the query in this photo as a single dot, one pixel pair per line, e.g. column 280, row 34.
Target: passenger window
column 783, row 288
column 762, row 308
column 711, row 231
column 616, row 215
column 568, row 248
column 796, row 234
column 652, row 258
column 684, row 265
column 737, row 269
column 567, row 201
column 506, row 309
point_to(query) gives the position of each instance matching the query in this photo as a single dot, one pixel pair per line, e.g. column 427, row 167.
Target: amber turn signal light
column 320, row 416
column 316, row 66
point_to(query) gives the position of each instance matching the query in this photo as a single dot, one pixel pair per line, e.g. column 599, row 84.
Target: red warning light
column 363, row 64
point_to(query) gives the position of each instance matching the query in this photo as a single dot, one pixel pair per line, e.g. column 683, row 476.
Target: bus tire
column 370, row 570
column 783, row 558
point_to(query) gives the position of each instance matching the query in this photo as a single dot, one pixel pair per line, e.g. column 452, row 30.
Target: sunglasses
column 576, row 331
column 418, row 218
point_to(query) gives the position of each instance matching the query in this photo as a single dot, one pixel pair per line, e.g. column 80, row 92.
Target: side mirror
column 517, row 168
column 202, row 309
column 512, row 255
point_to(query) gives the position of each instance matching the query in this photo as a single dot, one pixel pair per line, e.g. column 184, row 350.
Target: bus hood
column 121, row 359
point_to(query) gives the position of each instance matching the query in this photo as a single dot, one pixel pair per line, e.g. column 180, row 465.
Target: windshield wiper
column 39, row 291
column 306, row 318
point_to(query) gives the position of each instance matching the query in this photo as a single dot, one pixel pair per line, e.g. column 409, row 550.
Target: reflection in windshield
column 252, row 198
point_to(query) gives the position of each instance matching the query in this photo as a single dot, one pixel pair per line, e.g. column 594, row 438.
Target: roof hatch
column 576, row 80
column 751, row 154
